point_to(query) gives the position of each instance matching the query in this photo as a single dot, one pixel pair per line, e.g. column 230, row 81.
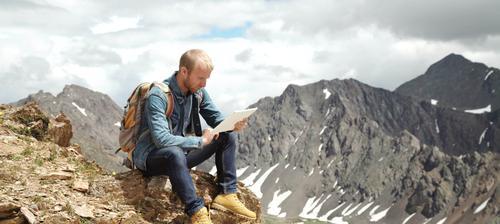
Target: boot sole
column 224, row 209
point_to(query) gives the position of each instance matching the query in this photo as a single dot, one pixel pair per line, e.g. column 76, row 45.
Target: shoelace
column 201, row 219
column 235, row 198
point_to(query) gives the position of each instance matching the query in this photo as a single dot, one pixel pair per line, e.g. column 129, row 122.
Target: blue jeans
column 175, row 162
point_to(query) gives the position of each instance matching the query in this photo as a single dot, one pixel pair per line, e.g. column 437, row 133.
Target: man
column 165, row 147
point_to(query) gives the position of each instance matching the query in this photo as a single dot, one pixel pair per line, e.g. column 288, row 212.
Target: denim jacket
column 158, row 131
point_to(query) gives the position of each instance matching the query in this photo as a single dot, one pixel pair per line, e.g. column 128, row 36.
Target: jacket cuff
column 193, row 142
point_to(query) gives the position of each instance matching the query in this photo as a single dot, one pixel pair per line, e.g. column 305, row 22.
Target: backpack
column 131, row 121
column 132, row 115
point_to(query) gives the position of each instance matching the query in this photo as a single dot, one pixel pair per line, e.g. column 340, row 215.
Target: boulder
column 60, row 130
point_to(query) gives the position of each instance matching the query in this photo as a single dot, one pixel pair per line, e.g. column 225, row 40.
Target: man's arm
column 162, row 136
column 209, row 111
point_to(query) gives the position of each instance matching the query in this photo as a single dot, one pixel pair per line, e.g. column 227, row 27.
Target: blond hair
column 194, row 57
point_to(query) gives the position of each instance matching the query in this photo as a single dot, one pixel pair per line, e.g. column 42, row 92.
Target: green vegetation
column 39, row 161
column 27, row 151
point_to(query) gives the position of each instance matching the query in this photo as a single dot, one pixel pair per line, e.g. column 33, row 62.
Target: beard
column 188, row 85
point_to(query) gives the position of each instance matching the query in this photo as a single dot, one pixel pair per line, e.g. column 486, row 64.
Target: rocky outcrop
column 455, row 82
column 43, row 182
column 61, row 131
column 94, row 117
column 331, row 148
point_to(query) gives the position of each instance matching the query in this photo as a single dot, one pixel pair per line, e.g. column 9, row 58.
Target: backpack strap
column 195, row 112
column 170, row 98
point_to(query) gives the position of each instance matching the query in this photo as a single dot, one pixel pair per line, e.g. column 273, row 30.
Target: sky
column 258, row 47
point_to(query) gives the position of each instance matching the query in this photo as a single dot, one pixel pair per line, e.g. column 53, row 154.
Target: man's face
column 197, row 78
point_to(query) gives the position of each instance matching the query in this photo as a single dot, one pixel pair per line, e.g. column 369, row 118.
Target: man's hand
column 240, row 125
column 208, row 136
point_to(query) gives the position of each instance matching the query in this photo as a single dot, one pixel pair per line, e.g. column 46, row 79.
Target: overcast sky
column 258, row 47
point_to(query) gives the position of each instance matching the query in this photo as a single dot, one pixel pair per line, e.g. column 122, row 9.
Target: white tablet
column 230, row 121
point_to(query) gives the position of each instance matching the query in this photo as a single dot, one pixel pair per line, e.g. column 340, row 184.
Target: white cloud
column 111, row 46
column 116, row 24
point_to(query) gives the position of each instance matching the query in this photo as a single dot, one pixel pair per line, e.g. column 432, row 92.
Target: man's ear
column 183, row 70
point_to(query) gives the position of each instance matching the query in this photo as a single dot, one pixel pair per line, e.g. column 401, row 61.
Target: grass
column 85, row 220
column 39, row 161
column 87, row 169
column 27, row 151
column 53, row 153
column 15, row 157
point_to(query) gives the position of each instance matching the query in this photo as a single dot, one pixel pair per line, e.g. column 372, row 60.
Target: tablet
column 231, row 120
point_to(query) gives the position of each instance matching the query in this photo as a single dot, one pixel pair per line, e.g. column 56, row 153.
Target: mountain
column 95, row 118
column 456, row 82
column 43, row 182
column 341, row 150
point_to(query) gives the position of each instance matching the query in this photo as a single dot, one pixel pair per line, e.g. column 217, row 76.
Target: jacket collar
column 174, row 87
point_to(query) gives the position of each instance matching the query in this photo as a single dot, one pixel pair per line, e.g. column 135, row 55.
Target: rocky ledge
column 45, row 182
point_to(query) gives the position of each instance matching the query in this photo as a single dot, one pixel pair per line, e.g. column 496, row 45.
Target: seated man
column 165, row 146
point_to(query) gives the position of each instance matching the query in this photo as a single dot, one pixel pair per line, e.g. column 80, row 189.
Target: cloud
column 41, row 17
column 439, row 20
column 243, row 56
column 258, row 47
column 91, row 55
column 30, row 75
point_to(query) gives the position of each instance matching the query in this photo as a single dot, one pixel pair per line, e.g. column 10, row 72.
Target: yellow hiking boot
column 201, row 217
column 231, row 203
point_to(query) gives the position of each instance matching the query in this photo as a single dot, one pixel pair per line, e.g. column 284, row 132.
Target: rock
column 84, row 211
column 16, row 220
column 8, row 210
column 57, row 176
column 34, row 121
column 60, row 130
column 156, row 201
column 81, row 185
column 28, row 215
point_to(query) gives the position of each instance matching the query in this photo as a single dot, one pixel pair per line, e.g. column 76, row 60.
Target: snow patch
column 241, row 171
column 350, row 211
column 82, row 110
column 273, row 208
column 327, row 93
column 364, row 208
column 481, row 206
column 434, row 102
column 118, row 124
column 319, row 148
column 322, row 130
column 482, row 136
column 324, row 218
column 441, row 221
column 480, row 110
column 381, row 158
column 378, row 216
column 255, row 188
column 250, row 179
column 408, row 218
column 277, row 179
column 311, row 173
column 296, row 139
column 329, row 164
column 437, row 127
column 314, row 213
column 213, row 171
column 488, row 75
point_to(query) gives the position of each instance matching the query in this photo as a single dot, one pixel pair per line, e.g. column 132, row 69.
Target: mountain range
column 342, row 151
